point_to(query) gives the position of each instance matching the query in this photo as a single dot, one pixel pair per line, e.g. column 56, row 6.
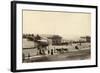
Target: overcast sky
column 66, row 24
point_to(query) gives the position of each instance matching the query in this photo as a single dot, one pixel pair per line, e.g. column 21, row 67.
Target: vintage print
column 55, row 36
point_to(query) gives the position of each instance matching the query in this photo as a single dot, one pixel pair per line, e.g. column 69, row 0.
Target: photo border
column 13, row 34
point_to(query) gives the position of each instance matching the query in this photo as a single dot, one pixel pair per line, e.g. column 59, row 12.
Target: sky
column 65, row 24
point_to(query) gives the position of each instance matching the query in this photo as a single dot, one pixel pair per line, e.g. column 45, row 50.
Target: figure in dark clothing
column 76, row 47
column 51, row 51
column 48, row 51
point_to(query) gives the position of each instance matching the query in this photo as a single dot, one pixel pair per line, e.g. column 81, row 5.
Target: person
column 51, row 51
column 76, row 47
column 48, row 51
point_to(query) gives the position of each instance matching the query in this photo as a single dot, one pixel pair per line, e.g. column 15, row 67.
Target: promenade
column 73, row 55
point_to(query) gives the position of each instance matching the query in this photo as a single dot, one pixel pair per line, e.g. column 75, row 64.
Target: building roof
column 55, row 36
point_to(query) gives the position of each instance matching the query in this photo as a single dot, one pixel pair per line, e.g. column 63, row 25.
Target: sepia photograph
column 55, row 36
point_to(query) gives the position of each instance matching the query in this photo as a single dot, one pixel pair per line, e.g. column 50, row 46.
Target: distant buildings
column 56, row 39
column 86, row 38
